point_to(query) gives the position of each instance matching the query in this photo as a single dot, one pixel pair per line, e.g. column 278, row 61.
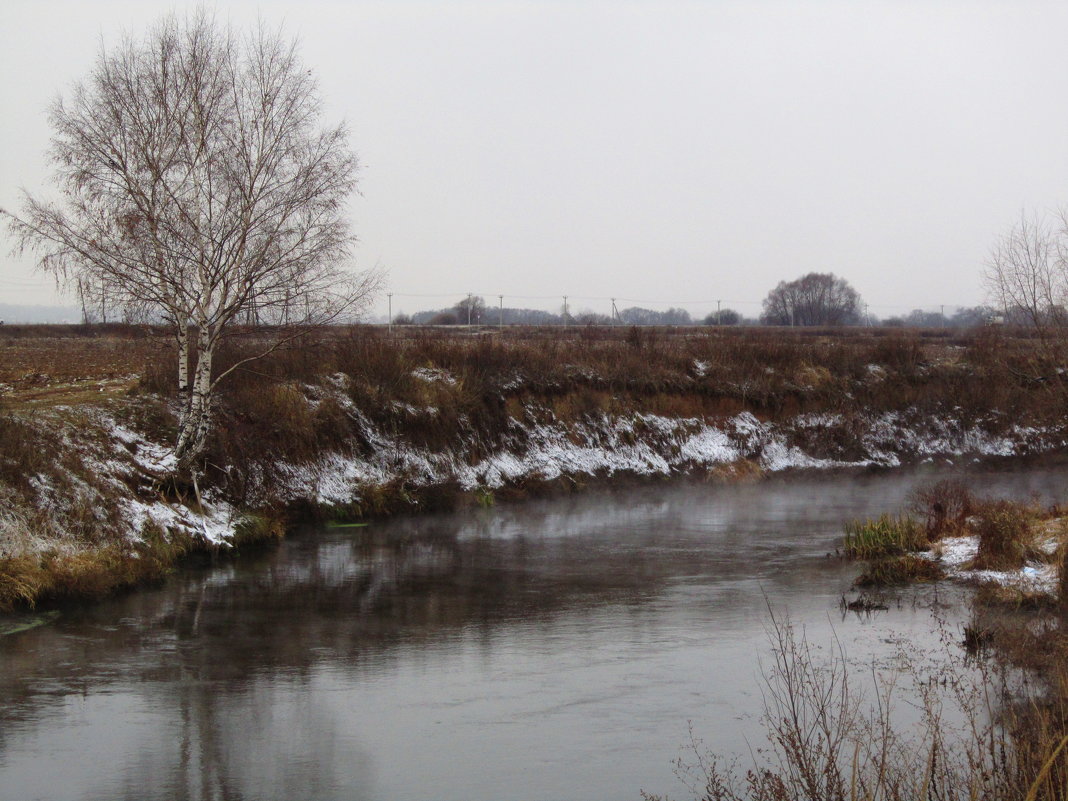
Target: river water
column 555, row 649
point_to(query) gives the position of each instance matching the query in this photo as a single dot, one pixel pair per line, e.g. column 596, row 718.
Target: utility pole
column 389, row 296
column 615, row 311
column 719, row 319
column 500, row 320
column 565, row 311
column 943, row 314
column 468, row 309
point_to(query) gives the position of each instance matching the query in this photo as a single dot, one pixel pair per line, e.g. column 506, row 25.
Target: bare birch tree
column 197, row 184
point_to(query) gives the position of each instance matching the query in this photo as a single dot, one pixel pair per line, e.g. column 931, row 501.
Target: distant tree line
column 474, row 311
column 815, row 299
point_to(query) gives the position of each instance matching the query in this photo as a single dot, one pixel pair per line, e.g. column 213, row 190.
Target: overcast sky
column 662, row 152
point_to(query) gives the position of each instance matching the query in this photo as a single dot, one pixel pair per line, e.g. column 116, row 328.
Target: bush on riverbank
column 944, row 507
column 890, row 571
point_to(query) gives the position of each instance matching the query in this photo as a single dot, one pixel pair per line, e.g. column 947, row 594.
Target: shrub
column 901, row 351
column 1004, row 530
column 944, row 506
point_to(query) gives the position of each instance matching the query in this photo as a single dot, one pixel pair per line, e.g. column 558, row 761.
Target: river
column 552, row 649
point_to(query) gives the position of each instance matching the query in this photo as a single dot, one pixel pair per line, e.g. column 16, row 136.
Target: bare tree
column 470, row 310
column 198, row 185
column 813, row 299
column 723, row 317
column 1027, row 273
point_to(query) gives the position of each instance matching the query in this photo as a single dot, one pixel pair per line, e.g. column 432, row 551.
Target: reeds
column 888, row 535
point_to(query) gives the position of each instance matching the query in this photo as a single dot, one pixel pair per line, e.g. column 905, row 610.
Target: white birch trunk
column 182, row 336
column 193, row 434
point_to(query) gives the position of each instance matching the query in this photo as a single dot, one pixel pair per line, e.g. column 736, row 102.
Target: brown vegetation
column 769, row 371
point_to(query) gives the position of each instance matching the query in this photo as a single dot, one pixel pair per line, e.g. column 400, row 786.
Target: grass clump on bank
column 899, row 570
column 1004, row 536
column 28, row 579
column 889, row 535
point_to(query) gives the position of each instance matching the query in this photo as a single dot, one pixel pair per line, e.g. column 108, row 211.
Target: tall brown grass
column 580, row 373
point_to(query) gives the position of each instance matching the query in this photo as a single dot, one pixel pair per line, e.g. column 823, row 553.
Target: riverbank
column 354, row 424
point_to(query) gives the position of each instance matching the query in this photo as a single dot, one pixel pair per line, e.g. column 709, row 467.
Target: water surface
column 547, row 650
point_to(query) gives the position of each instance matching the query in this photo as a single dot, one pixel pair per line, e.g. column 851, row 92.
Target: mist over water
column 553, row 649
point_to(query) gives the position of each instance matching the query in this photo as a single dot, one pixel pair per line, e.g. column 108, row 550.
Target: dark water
column 546, row 650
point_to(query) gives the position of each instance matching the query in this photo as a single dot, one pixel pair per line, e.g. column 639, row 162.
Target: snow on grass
column 110, row 459
column 640, row 444
column 432, row 374
column 709, row 446
column 215, row 524
column 149, row 456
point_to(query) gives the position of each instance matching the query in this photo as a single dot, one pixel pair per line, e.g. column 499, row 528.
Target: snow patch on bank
column 638, row 444
column 957, row 554
column 216, row 525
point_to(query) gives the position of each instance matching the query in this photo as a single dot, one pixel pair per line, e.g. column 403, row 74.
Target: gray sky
column 681, row 152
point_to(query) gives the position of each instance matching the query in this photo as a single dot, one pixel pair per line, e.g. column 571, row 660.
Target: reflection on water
column 548, row 650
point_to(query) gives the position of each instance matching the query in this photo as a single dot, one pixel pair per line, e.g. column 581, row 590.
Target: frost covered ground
column 647, row 445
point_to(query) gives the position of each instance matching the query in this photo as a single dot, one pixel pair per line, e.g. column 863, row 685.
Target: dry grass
column 677, row 372
column 889, row 535
column 80, row 574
